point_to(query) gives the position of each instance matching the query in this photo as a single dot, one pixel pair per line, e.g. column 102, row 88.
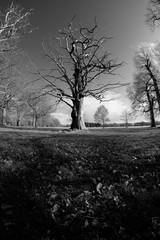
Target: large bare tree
column 80, row 63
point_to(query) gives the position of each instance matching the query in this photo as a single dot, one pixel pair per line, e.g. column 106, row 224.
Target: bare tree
column 142, row 96
column 12, row 79
column 38, row 106
column 101, row 115
column 145, row 62
column 14, row 22
column 17, row 110
column 79, row 64
column 126, row 116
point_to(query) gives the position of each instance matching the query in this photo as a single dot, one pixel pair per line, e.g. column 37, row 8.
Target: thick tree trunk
column 77, row 115
column 155, row 85
column 151, row 109
column 153, row 122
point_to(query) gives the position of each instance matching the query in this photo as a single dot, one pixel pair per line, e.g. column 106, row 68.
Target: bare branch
column 13, row 24
column 153, row 14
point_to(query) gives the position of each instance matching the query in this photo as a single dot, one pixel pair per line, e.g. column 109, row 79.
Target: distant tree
column 55, row 122
column 101, row 115
column 79, row 61
column 38, row 106
column 126, row 116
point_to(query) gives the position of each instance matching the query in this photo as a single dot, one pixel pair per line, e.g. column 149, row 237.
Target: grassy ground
column 101, row 184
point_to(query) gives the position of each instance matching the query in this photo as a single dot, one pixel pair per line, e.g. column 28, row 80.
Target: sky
column 124, row 20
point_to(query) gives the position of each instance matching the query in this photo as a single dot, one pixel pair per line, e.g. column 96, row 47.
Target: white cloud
column 62, row 117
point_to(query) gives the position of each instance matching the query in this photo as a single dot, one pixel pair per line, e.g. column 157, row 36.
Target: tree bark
column 155, row 85
column 151, row 109
column 77, row 115
column 153, row 122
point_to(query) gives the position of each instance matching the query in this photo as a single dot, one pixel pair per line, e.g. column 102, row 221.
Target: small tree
column 38, row 106
column 126, row 117
column 101, row 115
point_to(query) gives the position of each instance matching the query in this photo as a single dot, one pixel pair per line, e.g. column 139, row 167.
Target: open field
column 98, row 184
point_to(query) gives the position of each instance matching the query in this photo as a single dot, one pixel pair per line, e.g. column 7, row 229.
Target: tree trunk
column 153, row 122
column 103, row 123
column 155, row 85
column 77, row 115
column 151, row 109
column 35, row 122
column 2, row 116
column 17, row 122
column 18, row 117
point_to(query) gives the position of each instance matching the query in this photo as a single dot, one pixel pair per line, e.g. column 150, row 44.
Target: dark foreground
column 98, row 185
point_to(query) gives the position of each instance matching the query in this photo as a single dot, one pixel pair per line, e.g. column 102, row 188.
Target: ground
column 98, row 184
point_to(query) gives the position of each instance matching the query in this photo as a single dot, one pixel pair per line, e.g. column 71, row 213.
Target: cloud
column 64, row 118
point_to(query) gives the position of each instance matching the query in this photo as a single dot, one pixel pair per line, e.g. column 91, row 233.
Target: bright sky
column 121, row 19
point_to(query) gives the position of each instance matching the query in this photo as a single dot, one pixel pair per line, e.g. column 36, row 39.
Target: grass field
column 98, row 184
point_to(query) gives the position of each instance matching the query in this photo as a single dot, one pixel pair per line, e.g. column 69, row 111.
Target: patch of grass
column 99, row 184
